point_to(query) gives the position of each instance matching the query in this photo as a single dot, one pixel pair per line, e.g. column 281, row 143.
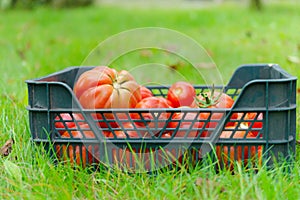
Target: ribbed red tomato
column 104, row 87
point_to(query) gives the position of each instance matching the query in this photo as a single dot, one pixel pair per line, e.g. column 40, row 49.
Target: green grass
column 38, row 42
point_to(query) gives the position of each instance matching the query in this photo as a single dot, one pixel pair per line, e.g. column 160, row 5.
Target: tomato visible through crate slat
column 214, row 99
column 188, row 121
column 129, row 131
column 67, row 120
column 153, row 120
column 80, row 154
column 254, row 124
column 230, row 153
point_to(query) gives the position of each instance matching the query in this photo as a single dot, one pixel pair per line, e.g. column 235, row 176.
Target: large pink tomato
column 104, row 87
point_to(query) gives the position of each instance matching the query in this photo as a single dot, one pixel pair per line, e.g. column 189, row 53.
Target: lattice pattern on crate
column 233, row 92
column 163, row 124
column 246, row 125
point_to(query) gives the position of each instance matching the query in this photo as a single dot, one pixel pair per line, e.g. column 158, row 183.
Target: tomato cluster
column 105, row 88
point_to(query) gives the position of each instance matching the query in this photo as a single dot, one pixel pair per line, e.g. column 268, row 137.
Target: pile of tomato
column 107, row 88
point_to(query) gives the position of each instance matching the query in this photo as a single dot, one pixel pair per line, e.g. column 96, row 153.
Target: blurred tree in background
column 70, row 3
column 6, row 4
column 256, row 4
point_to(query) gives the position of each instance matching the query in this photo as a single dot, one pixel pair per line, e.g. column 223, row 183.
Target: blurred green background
column 46, row 38
column 41, row 37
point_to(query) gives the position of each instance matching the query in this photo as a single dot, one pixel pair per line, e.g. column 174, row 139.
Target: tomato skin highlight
column 181, row 93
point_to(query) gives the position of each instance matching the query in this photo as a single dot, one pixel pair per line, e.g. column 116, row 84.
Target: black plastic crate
column 264, row 90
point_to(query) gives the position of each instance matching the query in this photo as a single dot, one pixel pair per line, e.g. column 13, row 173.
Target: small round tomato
column 212, row 100
column 145, row 92
column 215, row 99
column 151, row 119
column 181, row 93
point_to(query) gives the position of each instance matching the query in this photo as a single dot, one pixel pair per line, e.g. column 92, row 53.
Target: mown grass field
column 37, row 42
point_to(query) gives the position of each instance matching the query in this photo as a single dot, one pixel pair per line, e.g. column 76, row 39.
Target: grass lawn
column 37, row 42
